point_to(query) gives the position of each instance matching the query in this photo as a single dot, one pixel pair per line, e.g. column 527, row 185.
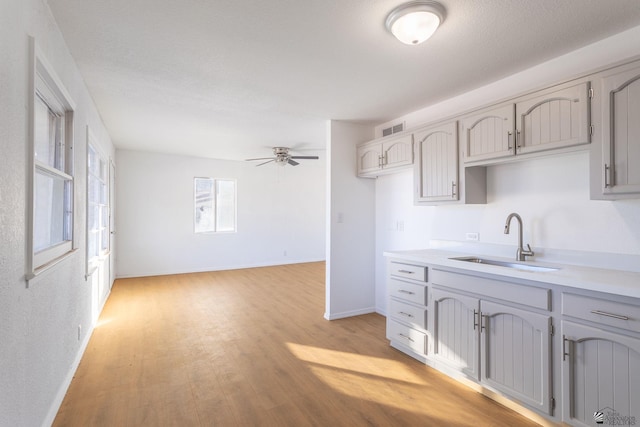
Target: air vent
column 393, row 129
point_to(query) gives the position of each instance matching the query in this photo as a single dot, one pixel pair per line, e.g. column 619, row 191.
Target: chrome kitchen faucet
column 521, row 253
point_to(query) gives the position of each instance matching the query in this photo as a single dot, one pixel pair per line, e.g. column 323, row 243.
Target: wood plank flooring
column 251, row 348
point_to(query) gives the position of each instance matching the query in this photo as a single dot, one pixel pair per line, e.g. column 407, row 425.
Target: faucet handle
column 528, row 252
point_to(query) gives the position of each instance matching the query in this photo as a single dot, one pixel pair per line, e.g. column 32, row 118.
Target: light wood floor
column 251, row 348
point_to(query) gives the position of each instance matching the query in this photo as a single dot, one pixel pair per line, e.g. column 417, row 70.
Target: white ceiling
column 229, row 78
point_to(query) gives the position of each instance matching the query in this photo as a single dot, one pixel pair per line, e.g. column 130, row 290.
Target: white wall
column 551, row 194
column 39, row 342
column 280, row 209
column 350, row 226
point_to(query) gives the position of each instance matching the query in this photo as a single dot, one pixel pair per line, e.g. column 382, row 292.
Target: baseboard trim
column 208, row 269
column 351, row 313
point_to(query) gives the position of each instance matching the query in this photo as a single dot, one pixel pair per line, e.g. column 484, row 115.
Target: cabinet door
column 601, row 374
column 369, row 159
column 456, row 331
column 436, row 167
column 488, row 134
column 554, row 119
column 516, row 353
column 397, row 152
column 621, row 132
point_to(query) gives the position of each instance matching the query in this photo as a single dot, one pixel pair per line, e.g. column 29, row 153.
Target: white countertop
column 625, row 283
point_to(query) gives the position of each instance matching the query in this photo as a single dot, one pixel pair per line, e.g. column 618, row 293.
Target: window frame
column 214, row 185
column 46, row 87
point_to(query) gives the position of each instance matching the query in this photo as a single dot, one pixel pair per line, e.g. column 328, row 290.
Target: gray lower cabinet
column 601, row 361
column 455, row 331
column 407, row 309
column 516, row 353
column 506, row 348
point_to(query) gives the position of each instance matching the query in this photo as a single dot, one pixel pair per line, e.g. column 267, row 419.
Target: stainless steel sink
column 516, row 265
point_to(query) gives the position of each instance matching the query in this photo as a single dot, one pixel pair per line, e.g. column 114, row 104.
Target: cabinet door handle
column 484, row 319
column 607, row 169
column 615, row 316
column 518, row 142
column 453, row 189
column 406, row 271
column 405, row 314
column 564, row 348
column 379, row 161
column 406, row 337
column 510, row 141
column 402, row 291
column 475, row 321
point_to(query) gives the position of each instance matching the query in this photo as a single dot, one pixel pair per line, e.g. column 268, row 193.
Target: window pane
column 204, row 205
column 50, row 219
column 48, row 136
column 226, row 206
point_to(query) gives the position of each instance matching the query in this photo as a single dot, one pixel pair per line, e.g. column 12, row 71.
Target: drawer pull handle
column 402, row 291
column 405, row 314
column 406, row 271
column 406, row 337
column 604, row 313
column 475, row 316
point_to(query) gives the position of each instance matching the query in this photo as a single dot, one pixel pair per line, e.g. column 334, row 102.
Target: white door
column 488, row 134
column 112, row 222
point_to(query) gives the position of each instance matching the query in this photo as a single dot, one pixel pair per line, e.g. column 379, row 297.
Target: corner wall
column 350, row 274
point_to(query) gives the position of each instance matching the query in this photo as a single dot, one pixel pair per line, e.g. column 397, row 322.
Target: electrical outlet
column 284, row 253
column 473, row 236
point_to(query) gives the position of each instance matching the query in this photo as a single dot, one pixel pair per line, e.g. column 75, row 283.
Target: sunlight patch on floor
column 357, row 363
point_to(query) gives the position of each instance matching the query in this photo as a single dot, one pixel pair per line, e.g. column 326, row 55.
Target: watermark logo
column 610, row 417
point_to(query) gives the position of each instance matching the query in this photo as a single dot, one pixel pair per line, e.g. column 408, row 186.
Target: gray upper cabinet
column 554, row 119
column 488, row 134
column 616, row 164
column 384, row 155
column 436, row 166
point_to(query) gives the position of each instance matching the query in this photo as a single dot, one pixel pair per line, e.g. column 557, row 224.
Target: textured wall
column 39, row 343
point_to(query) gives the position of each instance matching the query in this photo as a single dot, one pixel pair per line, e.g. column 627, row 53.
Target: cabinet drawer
column 520, row 294
column 602, row 311
column 410, row 271
column 408, row 337
column 408, row 291
column 414, row 316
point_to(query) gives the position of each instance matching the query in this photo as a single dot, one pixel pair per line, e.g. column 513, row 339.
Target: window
column 215, row 205
column 97, row 206
column 51, row 207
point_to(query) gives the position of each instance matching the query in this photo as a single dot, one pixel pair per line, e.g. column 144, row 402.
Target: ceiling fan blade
column 259, row 158
column 272, row 160
column 292, row 162
column 305, row 157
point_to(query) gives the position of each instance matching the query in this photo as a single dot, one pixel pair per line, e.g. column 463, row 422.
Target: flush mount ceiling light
column 416, row 21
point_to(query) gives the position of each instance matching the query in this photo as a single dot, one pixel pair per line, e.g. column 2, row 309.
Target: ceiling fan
column 282, row 157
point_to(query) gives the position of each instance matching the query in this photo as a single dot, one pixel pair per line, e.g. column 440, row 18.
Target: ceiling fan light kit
column 415, row 21
column 283, row 158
